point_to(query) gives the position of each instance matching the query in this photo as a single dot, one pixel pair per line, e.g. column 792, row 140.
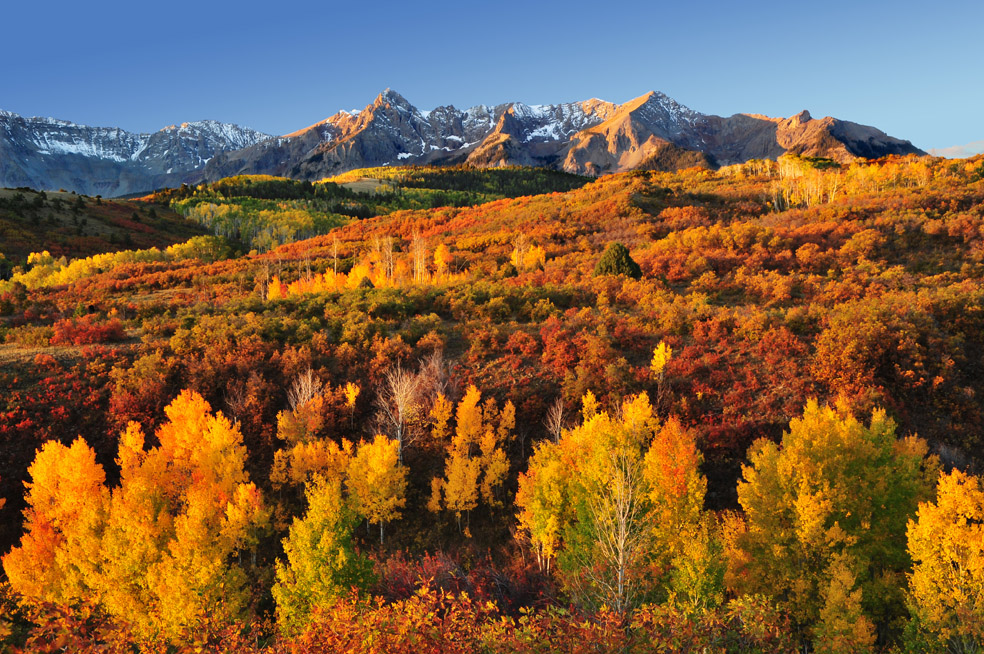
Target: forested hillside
column 507, row 411
column 71, row 226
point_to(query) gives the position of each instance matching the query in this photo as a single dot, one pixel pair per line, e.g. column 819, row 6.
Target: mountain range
column 593, row 137
column 50, row 154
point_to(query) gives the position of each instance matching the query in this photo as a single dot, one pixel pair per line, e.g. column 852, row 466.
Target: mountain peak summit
column 803, row 116
column 392, row 97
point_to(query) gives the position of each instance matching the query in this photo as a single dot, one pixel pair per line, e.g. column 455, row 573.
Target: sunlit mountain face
column 590, row 138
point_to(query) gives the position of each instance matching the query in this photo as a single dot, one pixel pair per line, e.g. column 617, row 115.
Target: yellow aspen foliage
column 476, row 464
column 495, row 466
column 66, row 501
column 832, row 487
column 732, row 530
column 589, row 406
column 434, row 504
column 946, row 542
column 440, row 413
column 661, row 356
column 460, row 486
column 321, row 457
column 526, row 258
column 377, row 481
column 276, row 290
column 469, row 427
column 595, row 499
column 697, row 570
column 543, row 501
column 192, row 506
column 322, row 564
column 358, row 272
column 351, row 394
column 442, row 258
column 843, row 627
column 638, row 421
column 506, row 422
column 497, row 431
column 160, row 552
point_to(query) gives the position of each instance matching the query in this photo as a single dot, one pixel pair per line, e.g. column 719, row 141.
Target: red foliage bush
column 85, row 331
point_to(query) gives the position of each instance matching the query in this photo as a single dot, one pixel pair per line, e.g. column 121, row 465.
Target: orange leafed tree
column 158, row 552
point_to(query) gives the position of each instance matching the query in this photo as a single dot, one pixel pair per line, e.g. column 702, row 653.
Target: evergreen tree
column 616, row 261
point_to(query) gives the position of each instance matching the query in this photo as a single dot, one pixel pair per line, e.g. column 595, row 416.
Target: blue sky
column 912, row 69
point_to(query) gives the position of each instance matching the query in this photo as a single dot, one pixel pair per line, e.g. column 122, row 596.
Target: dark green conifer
column 616, row 261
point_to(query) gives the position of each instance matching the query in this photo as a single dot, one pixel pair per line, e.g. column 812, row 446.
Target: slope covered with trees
column 71, row 226
column 736, row 410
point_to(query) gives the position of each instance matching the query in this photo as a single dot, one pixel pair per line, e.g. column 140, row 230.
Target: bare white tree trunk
column 419, row 250
column 398, row 402
column 304, row 389
column 620, row 531
column 554, row 421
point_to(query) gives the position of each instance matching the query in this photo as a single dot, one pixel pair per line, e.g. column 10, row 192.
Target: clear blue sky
column 910, row 68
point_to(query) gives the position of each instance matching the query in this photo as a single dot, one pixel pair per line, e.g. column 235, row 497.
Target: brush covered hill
column 74, row 226
column 261, row 212
column 764, row 284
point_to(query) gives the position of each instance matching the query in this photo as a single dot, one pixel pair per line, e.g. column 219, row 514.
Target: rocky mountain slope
column 591, row 138
column 45, row 153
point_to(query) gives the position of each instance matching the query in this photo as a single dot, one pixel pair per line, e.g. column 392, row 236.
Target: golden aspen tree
column 304, row 460
column 440, row 414
column 322, row 564
column 442, row 259
column 661, row 357
column 352, row 391
column 476, row 464
column 351, row 394
column 946, row 586
column 468, row 418
column 358, row 273
column 192, row 509
column 418, row 250
column 675, row 485
column 57, row 559
column 458, row 491
column 843, row 627
column 161, row 552
column 495, row 464
column 543, row 500
column 832, row 487
column 275, row 290
column 299, row 427
column 377, row 481
column 525, row 257
column 460, row 484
